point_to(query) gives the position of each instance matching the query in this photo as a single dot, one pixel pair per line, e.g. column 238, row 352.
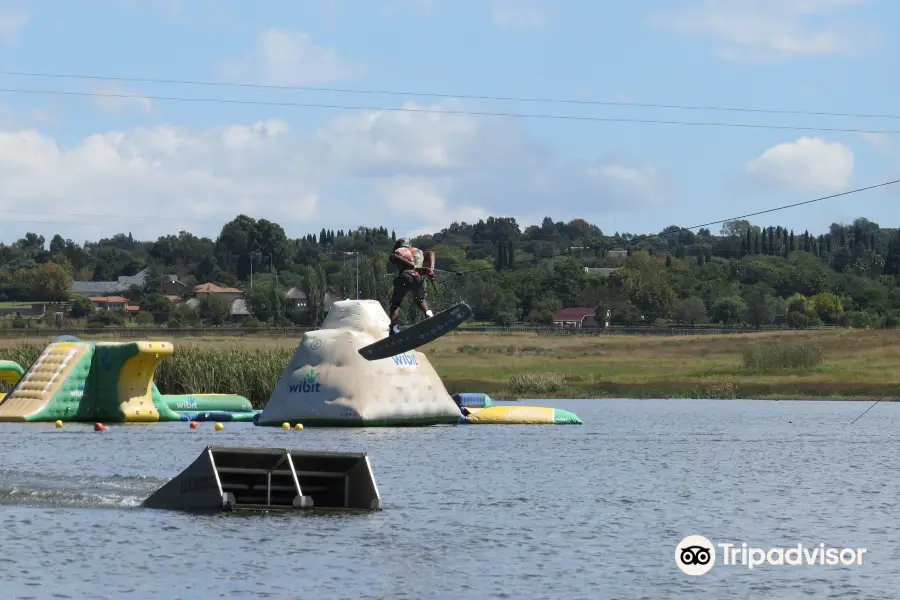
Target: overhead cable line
column 442, row 111
column 631, row 240
column 526, row 99
column 642, row 238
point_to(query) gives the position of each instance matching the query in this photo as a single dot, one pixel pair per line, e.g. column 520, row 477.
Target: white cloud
column 402, row 170
column 517, row 14
column 11, row 25
column 116, row 100
column 34, row 117
column 624, row 181
column 283, row 57
column 808, row 164
column 878, row 141
column 773, row 29
column 427, row 200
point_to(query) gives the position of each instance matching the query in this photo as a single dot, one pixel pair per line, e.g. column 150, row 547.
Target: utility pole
column 357, row 274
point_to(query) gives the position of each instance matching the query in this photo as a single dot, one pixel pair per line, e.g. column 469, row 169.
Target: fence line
column 270, row 332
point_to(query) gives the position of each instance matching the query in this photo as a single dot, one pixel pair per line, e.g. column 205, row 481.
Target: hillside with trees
column 745, row 274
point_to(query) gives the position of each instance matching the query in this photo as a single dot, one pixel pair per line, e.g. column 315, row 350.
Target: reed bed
column 22, row 353
column 250, row 372
column 781, row 355
column 539, row 384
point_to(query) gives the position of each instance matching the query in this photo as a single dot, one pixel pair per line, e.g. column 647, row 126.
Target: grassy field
column 817, row 364
column 833, row 364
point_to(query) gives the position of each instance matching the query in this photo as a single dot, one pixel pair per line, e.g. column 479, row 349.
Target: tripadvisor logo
column 307, row 385
column 696, row 555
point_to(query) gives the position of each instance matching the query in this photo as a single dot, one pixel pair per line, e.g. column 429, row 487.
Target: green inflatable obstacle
column 208, row 402
column 109, row 382
column 10, row 372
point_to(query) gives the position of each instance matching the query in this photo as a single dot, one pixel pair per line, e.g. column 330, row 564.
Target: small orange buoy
column 194, row 425
column 100, row 427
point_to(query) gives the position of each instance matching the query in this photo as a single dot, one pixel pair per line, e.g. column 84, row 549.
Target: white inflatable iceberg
column 327, row 383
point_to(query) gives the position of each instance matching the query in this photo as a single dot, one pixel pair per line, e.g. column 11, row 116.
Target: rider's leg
column 400, row 290
column 420, row 293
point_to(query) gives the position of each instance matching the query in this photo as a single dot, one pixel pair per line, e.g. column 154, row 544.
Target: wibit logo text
column 307, row 385
column 407, row 359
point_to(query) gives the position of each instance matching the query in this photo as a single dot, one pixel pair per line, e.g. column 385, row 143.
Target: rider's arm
column 430, row 260
column 397, row 259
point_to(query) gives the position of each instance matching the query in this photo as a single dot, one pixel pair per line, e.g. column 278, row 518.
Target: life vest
column 413, row 255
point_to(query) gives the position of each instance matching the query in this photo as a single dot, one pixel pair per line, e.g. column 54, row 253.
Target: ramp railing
column 235, row 478
column 257, row 477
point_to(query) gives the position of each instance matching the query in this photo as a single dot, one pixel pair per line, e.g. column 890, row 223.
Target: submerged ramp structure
column 328, row 384
column 234, row 478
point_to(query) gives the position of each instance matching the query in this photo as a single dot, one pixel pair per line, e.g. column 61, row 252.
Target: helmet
column 401, row 243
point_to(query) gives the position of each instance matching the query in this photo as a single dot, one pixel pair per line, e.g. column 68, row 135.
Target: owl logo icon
column 695, row 555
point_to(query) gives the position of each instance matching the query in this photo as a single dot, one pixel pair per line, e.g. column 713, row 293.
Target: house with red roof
column 576, row 317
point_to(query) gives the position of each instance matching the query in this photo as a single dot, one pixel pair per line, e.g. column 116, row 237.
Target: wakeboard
column 419, row 334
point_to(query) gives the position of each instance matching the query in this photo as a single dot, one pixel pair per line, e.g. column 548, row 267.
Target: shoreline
column 797, row 395
column 754, row 399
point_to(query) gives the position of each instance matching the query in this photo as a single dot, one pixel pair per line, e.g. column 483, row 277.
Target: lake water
column 520, row 512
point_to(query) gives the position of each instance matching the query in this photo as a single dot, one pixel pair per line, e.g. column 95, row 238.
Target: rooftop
column 124, row 282
column 109, row 299
column 573, row 314
column 295, row 293
column 211, row 288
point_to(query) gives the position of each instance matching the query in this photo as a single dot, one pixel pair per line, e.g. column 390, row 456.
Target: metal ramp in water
column 235, row 478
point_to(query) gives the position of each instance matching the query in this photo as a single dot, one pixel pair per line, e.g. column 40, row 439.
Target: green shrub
column 506, row 350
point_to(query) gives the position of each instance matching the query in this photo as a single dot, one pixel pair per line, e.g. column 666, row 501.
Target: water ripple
column 531, row 513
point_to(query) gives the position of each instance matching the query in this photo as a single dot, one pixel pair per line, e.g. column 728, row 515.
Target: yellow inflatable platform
column 519, row 415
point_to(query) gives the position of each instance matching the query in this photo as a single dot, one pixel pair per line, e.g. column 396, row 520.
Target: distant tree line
column 746, row 275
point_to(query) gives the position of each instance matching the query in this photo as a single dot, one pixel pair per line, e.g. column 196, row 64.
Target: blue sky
column 87, row 167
